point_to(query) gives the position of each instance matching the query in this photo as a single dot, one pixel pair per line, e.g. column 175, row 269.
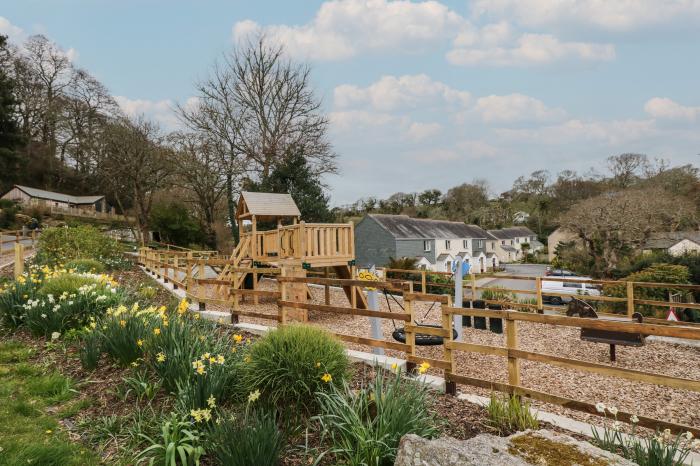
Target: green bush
column 499, row 293
column 65, row 284
column 509, row 414
column 86, row 266
column 658, row 273
column 254, row 440
column 12, row 300
column 365, row 427
column 179, row 445
column 292, row 364
column 62, row 244
column 123, row 332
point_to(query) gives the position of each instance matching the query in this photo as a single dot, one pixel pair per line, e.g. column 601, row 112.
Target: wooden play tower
column 289, row 243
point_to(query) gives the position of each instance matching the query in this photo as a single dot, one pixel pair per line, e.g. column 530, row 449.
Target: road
column 524, row 270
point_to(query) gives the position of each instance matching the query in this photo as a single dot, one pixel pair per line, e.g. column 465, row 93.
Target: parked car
column 573, row 288
column 550, row 272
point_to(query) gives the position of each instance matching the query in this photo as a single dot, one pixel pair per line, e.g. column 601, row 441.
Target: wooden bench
column 609, row 337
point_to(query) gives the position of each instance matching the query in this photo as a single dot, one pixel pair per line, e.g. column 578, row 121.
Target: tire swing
column 399, row 333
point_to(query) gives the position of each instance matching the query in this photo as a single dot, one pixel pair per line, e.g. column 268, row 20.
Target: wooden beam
column 347, row 310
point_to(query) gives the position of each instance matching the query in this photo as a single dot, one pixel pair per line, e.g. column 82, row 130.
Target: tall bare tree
column 135, row 164
column 198, row 170
column 626, row 168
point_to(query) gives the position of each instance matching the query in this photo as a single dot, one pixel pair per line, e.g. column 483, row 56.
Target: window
column 447, row 244
column 426, row 246
column 572, row 285
column 465, row 243
column 448, row 266
column 480, row 243
column 503, row 242
column 511, row 242
column 517, row 240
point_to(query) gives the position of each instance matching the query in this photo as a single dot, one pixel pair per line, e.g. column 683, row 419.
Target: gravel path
column 663, row 403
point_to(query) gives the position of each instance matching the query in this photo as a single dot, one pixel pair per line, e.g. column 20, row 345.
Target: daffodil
column 211, row 401
column 156, row 331
column 220, row 359
column 237, row 338
column 423, row 368
column 327, row 377
column 160, row 357
column 253, row 396
column 122, row 323
column 201, row 370
column 139, row 342
column 600, row 407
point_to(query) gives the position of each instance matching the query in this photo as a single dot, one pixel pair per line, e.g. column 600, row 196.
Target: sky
column 419, row 94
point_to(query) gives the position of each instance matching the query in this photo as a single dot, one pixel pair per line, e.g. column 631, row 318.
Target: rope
column 388, row 304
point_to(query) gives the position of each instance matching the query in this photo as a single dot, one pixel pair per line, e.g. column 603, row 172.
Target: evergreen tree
column 294, row 176
column 10, row 137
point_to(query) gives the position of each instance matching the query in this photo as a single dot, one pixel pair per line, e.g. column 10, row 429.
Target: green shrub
column 658, row 273
column 124, row 331
column 90, row 351
column 147, row 292
column 365, row 427
column 292, row 364
column 62, row 244
column 12, row 301
column 67, row 283
column 86, row 266
column 254, row 440
column 509, row 414
column 180, row 444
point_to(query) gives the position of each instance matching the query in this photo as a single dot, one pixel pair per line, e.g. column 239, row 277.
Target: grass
column 508, row 414
column 28, row 434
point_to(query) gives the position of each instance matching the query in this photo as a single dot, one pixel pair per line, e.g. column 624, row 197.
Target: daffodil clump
column 48, row 300
column 128, row 331
column 660, row 448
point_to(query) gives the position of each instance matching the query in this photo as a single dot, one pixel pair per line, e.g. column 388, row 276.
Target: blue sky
column 421, row 94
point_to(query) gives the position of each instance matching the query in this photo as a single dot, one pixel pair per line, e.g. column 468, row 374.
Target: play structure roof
column 266, row 206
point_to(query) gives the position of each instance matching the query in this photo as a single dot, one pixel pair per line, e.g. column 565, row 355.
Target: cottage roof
column 59, row 197
column 266, row 206
column 405, row 227
column 665, row 240
column 444, row 256
column 512, row 232
column 509, row 248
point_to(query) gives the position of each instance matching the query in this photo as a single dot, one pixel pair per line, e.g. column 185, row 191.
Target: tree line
column 254, row 123
column 612, row 214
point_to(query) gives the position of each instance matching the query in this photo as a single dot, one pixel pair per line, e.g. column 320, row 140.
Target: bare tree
column 198, row 170
column 626, row 168
column 134, row 164
column 614, row 224
column 278, row 108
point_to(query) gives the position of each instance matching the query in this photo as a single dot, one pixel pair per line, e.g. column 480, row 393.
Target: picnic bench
column 609, row 337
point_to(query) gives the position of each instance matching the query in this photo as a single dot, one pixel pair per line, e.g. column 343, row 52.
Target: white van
column 567, row 287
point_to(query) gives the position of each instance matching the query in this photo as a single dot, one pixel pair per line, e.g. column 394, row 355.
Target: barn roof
column 60, row 197
column 266, row 206
column 405, row 227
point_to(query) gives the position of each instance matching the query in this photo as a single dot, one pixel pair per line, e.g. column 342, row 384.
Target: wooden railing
column 25, row 238
column 75, row 212
column 315, row 243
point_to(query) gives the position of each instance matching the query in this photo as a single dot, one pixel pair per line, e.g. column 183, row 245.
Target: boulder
column 541, row 448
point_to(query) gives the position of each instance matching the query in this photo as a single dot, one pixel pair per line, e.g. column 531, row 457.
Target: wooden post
column 176, row 271
column 188, row 271
column 282, row 311
column 512, row 344
column 410, row 335
column 630, row 299
column 302, row 241
column 327, row 289
column 450, row 386
column 538, row 288
column 200, row 274
column 256, row 301
column 353, row 289
column 423, row 282
column 472, row 277
column 19, row 259
column 254, row 238
column 234, row 289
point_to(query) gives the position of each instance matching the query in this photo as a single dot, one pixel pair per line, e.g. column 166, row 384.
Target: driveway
column 5, row 248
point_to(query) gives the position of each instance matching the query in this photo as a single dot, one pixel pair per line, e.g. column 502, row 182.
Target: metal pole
column 457, row 319
column 375, row 322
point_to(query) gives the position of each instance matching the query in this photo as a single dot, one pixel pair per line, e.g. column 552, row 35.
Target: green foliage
column 179, row 445
column 90, row 351
column 658, row 273
column 176, row 224
column 147, row 292
column 142, row 387
column 12, row 301
column 123, row 333
column 86, row 266
column 62, row 244
column 295, row 176
column 64, row 283
column 11, row 138
column 288, row 365
column 254, row 440
column 498, row 293
column 365, row 427
column 509, row 414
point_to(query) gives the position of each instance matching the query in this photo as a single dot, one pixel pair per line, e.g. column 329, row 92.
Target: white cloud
column 403, row 92
column 613, row 132
column 344, row 28
column 528, row 49
column 160, row 111
column 15, row 33
column 614, row 15
column 515, row 107
column 664, row 108
column 420, row 131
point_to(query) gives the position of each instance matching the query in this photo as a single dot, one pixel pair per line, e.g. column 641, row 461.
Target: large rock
column 541, row 448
